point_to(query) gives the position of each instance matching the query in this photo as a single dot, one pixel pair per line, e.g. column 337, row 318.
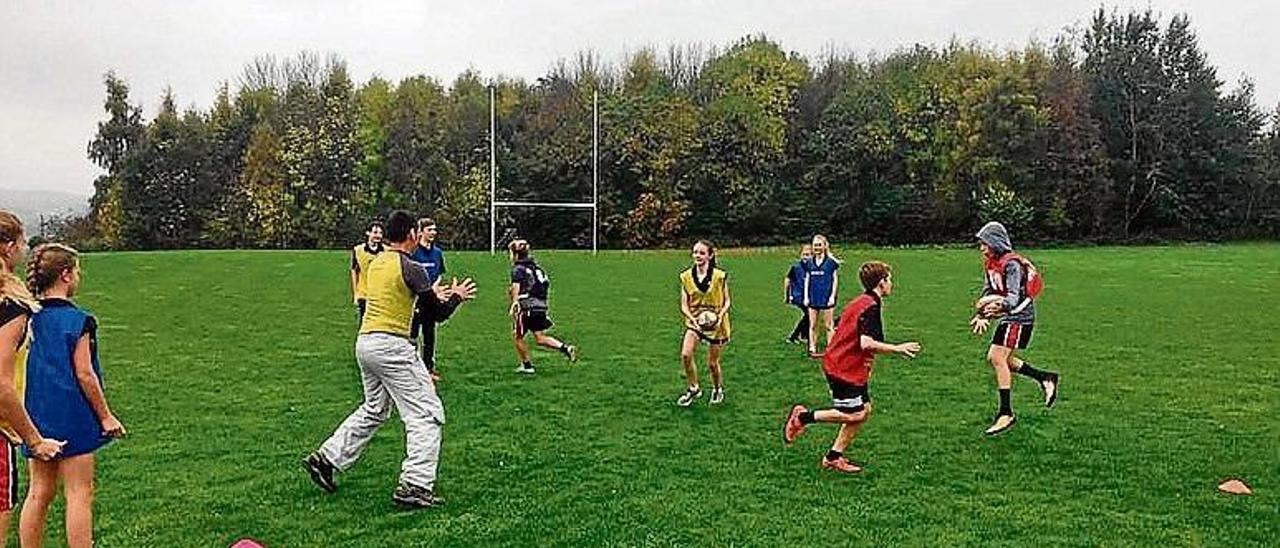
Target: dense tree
column 1118, row 131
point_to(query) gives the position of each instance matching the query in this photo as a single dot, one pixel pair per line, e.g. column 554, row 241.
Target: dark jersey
column 534, row 285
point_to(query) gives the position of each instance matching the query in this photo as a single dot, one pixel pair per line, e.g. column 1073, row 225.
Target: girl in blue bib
column 64, row 397
column 821, row 283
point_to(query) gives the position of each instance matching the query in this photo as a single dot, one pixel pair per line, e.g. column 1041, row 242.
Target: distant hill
column 29, row 205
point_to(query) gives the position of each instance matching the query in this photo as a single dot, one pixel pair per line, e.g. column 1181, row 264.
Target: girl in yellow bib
column 703, row 288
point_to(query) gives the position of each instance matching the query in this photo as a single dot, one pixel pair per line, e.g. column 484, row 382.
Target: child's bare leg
column 4, row 527
column 522, row 349
column 686, row 358
column 813, row 330
column 44, row 486
column 999, row 358
column 713, row 363
column 547, row 341
column 77, row 477
column 828, row 324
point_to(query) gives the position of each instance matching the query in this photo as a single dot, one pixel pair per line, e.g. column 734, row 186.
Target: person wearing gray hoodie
column 1006, row 275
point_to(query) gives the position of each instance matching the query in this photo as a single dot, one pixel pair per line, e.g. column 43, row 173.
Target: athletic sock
column 1004, row 403
column 807, row 418
column 527, row 364
column 833, row 455
column 1038, row 375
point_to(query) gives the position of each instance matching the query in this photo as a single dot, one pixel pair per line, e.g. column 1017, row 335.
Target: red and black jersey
column 845, row 358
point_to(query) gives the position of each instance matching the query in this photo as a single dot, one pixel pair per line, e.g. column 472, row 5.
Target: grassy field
column 228, row 367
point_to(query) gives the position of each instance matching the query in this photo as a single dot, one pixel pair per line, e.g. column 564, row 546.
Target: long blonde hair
column 11, row 286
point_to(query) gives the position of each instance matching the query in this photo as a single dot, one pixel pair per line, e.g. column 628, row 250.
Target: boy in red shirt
column 847, row 365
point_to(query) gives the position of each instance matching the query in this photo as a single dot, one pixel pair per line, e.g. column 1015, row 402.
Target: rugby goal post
column 593, row 205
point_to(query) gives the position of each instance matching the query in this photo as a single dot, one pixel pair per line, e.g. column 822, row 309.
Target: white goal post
column 593, row 205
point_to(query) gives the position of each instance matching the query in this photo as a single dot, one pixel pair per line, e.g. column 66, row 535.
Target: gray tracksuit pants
column 392, row 374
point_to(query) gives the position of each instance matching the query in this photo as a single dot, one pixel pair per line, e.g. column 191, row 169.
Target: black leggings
column 801, row 332
column 427, row 329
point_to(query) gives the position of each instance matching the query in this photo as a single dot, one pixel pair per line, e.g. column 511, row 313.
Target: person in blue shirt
column 821, row 284
column 431, row 257
column 793, row 295
column 64, row 396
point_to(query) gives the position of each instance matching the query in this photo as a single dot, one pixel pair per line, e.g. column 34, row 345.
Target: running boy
column 1007, row 274
column 65, row 397
column 361, row 256
column 704, row 288
column 847, row 365
column 529, row 308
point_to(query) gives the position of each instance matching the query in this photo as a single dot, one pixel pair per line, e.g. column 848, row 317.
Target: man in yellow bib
column 392, row 372
column 361, row 256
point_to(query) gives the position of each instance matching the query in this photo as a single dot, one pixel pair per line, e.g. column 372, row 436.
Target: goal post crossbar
column 566, row 205
column 593, row 205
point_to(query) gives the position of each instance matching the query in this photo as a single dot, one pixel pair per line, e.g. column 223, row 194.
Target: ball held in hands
column 990, row 306
column 706, row 320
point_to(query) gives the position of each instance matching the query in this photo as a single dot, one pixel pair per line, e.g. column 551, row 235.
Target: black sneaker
column 412, row 496
column 321, row 471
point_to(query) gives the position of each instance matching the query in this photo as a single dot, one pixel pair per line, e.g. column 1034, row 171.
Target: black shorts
column 847, row 397
column 1013, row 335
column 532, row 321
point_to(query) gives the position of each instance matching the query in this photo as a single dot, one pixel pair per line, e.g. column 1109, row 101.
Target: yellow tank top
column 19, row 385
column 392, row 286
column 361, row 257
column 712, row 299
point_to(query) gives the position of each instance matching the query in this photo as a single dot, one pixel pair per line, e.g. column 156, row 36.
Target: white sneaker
column 717, row 395
column 690, row 395
column 526, row 370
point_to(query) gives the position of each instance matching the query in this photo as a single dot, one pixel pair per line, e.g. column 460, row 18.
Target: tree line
column 1120, row 131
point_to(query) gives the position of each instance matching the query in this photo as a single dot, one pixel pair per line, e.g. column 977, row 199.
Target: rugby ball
column 982, row 304
column 706, row 320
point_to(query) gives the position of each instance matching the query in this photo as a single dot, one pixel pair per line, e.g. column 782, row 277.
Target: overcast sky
column 53, row 53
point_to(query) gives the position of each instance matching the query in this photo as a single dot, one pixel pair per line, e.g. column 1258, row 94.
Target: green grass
column 228, row 367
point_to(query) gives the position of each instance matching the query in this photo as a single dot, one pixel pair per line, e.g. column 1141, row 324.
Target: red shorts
column 8, row 476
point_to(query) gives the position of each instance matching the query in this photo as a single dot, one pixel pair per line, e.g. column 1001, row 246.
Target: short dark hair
column 399, row 225
column 375, row 224
column 871, row 273
column 425, row 222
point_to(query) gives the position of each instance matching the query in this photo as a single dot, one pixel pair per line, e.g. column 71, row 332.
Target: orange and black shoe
column 792, row 427
column 841, row 464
